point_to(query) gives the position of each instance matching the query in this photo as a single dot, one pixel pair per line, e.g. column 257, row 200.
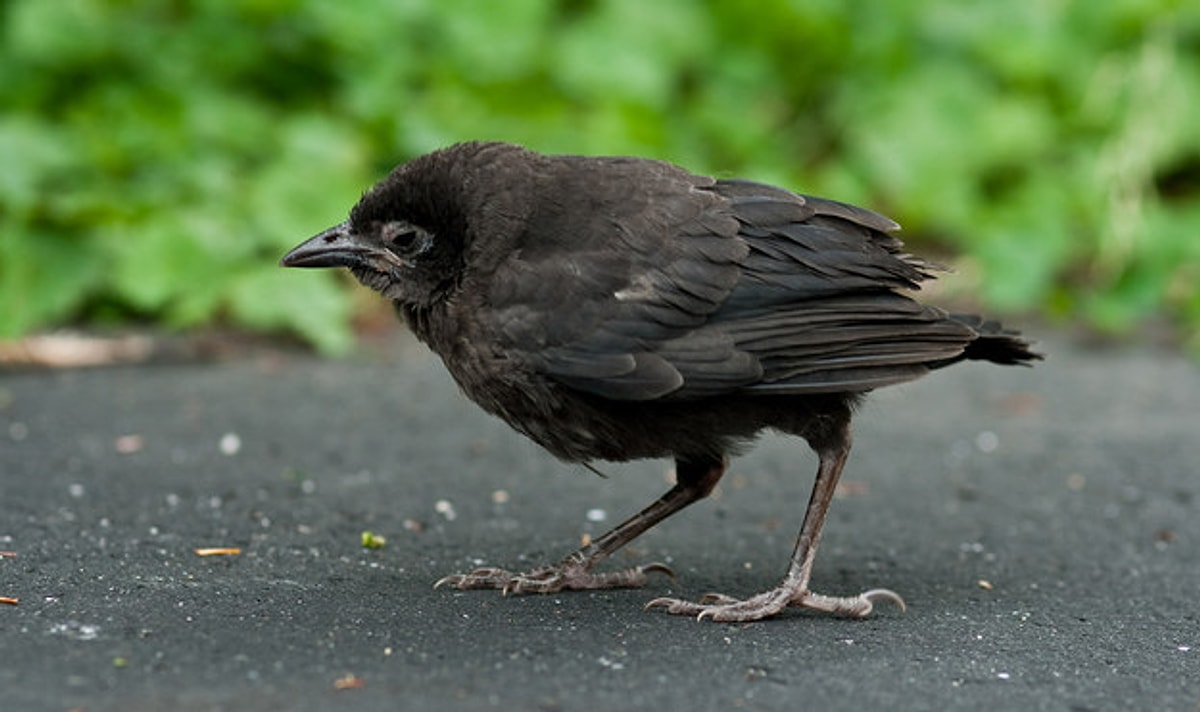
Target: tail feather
column 995, row 343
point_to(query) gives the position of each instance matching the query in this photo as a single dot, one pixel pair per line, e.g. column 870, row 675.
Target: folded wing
column 690, row 287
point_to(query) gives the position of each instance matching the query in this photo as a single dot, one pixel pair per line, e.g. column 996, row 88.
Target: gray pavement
column 1041, row 523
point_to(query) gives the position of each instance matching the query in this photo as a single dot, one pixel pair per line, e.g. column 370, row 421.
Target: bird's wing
column 668, row 285
column 817, row 304
column 610, row 288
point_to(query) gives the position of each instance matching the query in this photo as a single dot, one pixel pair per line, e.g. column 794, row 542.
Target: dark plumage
column 622, row 308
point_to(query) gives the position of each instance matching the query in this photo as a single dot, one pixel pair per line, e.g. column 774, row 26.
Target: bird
column 616, row 308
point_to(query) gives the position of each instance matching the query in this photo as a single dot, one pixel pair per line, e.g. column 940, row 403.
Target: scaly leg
column 694, row 480
column 793, row 591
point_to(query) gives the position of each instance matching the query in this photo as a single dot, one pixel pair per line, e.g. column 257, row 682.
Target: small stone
column 128, row 444
column 230, row 444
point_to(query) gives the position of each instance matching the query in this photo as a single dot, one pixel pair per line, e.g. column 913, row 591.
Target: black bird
column 614, row 308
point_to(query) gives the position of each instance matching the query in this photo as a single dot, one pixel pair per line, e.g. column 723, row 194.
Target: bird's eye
column 404, row 238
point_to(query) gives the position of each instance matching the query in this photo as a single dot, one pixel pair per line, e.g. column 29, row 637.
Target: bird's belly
column 579, row 427
column 563, row 424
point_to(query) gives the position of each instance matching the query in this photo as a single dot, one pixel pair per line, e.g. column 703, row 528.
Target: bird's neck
column 416, row 317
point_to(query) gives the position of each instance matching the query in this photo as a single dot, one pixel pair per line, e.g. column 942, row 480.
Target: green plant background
column 158, row 156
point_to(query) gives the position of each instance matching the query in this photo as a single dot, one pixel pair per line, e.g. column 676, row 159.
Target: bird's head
column 409, row 235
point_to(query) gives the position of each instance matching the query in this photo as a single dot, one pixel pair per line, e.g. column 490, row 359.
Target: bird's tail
column 995, row 343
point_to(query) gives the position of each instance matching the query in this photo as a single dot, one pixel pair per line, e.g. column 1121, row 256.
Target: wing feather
column 683, row 287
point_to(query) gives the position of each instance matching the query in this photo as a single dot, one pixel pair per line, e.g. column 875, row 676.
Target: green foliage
column 160, row 156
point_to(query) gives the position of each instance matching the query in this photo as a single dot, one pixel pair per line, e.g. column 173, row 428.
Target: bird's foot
column 720, row 607
column 569, row 575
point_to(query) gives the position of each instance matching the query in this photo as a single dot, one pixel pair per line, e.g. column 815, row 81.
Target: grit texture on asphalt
column 1041, row 524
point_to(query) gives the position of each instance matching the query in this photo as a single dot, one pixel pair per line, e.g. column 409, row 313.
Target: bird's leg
column 793, row 591
column 694, row 480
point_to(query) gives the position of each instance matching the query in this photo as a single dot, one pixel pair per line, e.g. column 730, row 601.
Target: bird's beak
column 335, row 247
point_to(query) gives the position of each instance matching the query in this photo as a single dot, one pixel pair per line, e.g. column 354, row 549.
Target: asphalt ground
column 1041, row 524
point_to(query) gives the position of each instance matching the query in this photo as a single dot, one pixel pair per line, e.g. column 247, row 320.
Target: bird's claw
column 566, row 576
column 719, row 607
column 479, row 578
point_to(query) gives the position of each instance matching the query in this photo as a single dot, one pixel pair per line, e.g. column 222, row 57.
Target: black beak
column 335, row 247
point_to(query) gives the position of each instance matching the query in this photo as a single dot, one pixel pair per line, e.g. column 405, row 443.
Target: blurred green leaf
column 44, row 277
column 311, row 304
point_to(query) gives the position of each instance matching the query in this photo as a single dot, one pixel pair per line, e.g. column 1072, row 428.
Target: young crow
column 615, row 308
